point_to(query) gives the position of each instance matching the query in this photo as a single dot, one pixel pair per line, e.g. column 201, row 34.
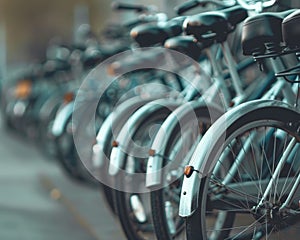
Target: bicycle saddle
column 50, row 67
column 219, row 23
column 108, row 52
column 291, row 30
column 138, row 61
column 91, row 57
column 154, row 33
column 262, row 29
column 188, row 45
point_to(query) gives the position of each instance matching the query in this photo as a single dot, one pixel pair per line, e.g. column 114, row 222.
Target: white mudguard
column 61, row 119
column 184, row 113
column 113, row 124
column 209, row 149
column 124, row 138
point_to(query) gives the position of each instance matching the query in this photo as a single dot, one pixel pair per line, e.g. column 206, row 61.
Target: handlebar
column 131, row 7
column 184, row 7
column 148, row 13
column 257, row 6
column 159, row 17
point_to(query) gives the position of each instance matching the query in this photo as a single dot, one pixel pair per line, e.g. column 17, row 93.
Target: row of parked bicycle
column 193, row 132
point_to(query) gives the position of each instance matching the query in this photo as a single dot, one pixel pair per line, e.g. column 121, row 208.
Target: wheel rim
column 241, row 187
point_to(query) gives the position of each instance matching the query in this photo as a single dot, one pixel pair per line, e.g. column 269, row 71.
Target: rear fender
column 118, row 154
column 182, row 114
column 112, row 125
column 210, row 148
column 61, row 119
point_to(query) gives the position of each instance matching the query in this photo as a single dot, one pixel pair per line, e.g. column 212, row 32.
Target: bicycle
column 242, row 180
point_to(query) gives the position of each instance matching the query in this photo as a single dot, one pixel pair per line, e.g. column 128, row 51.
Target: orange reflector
column 68, row 97
column 151, row 152
column 167, row 45
column 111, row 69
column 115, row 144
column 231, row 104
column 134, row 34
column 188, row 171
column 23, row 89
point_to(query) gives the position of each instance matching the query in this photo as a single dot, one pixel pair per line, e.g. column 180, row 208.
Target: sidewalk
column 37, row 202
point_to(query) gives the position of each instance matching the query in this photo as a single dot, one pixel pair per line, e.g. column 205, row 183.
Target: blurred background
column 37, row 200
column 26, row 27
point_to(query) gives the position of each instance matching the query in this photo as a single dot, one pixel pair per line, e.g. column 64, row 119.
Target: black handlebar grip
column 140, row 20
column 128, row 6
column 182, row 8
column 237, row 14
column 195, row 3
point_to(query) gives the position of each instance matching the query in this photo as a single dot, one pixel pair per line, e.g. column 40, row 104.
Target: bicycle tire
column 107, row 137
column 261, row 121
column 136, row 229
column 164, row 229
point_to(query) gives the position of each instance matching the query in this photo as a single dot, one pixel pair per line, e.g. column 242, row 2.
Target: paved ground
column 37, row 202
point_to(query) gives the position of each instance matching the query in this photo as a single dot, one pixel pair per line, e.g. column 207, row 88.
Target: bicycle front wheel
column 189, row 124
column 251, row 177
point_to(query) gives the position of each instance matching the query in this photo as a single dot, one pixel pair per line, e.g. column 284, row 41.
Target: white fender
column 61, row 119
column 124, row 138
column 49, row 106
column 186, row 112
column 209, row 150
column 112, row 125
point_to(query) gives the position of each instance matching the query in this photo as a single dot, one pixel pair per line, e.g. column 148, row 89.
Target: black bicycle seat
column 147, row 35
column 262, row 29
column 220, row 23
column 148, row 59
column 291, row 30
column 50, row 67
column 108, row 52
column 188, row 45
column 235, row 15
column 91, row 57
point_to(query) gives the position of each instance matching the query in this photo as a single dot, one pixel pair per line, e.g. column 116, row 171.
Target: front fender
column 182, row 115
column 124, row 138
column 49, row 106
column 112, row 125
column 17, row 108
column 210, row 148
column 61, row 119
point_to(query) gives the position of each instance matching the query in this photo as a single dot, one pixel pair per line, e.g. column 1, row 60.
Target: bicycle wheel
column 133, row 203
column 182, row 138
column 251, row 169
column 46, row 141
column 68, row 157
column 106, row 135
